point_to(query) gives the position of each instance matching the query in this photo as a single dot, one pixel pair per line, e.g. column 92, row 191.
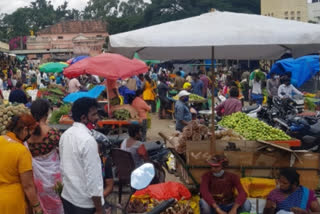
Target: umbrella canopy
column 233, row 36
column 302, row 69
column 110, row 66
column 77, row 59
column 53, row 67
column 93, row 93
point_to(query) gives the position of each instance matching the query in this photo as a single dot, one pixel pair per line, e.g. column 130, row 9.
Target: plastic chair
column 124, row 165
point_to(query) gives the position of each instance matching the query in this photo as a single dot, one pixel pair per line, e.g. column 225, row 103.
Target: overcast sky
column 8, row 6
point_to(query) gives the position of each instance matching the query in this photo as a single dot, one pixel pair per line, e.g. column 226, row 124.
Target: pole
column 213, row 79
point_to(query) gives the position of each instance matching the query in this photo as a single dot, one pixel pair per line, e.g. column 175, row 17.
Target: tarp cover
column 302, row 69
column 233, row 36
column 93, row 93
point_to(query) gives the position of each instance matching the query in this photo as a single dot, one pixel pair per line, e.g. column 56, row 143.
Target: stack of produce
column 227, row 134
column 6, row 113
column 53, row 93
column 143, row 206
column 122, row 114
column 192, row 98
column 252, row 128
column 58, row 113
column 192, row 132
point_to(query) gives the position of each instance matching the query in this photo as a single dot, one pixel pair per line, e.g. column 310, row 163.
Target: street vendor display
column 193, row 98
column 252, row 128
column 7, row 112
column 54, row 94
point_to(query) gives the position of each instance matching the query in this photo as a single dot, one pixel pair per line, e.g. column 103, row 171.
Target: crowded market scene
column 188, row 121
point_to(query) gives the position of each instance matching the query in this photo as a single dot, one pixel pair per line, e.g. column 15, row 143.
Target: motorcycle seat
column 248, row 109
column 153, row 146
column 315, row 129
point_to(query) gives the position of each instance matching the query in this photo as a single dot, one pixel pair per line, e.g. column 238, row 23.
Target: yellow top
column 148, row 93
column 15, row 159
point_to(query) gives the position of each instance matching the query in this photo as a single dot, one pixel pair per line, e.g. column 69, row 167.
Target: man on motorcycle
column 286, row 90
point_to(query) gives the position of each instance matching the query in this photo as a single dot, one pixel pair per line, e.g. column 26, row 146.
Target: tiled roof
column 89, row 26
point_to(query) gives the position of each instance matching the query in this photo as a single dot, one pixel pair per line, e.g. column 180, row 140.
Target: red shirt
column 222, row 190
column 228, row 107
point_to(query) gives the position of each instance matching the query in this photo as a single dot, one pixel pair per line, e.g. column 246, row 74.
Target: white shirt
column 1, row 84
column 256, row 87
column 80, row 166
column 288, row 91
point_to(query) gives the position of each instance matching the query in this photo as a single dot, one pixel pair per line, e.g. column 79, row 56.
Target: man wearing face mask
column 80, row 162
column 218, row 190
column 287, row 90
column 182, row 112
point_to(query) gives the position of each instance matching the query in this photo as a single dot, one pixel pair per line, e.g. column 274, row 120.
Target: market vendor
column 113, row 92
column 18, row 95
column 231, row 105
column 290, row 196
column 182, row 111
column 218, row 190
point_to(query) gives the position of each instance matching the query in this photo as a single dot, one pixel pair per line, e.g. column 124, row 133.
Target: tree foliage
column 120, row 15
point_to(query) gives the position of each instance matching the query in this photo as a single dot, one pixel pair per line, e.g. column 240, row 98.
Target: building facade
column 286, row 9
column 65, row 40
column 314, row 11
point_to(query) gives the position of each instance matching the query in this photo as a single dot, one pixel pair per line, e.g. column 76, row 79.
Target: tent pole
column 213, row 79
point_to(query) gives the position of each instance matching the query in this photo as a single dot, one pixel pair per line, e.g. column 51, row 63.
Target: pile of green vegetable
column 252, row 128
column 53, row 95
column 122, row 114
column 192, row 97
column 58, row 113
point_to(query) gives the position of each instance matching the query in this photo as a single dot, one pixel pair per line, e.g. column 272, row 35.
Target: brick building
column 65, row 40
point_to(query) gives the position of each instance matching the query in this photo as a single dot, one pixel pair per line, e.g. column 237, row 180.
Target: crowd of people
column 36, row 160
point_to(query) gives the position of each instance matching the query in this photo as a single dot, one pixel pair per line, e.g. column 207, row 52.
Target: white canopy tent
column 233, row 36
column 220, row 35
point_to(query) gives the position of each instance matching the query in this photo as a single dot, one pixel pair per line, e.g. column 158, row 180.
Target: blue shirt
column 182, row 73
column 197, row 87
column 182, row 112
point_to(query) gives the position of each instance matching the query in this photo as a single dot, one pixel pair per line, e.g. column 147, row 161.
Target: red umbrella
column 110, row 66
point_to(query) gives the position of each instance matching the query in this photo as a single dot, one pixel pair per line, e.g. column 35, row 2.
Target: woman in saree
column 291, row 196
column 43, row 145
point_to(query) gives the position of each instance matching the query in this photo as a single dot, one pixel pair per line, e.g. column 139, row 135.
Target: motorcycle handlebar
column 162, row 207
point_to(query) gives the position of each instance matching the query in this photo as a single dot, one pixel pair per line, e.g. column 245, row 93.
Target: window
column 298, row 18
column 298, row 13
column 60, row 37
column 286, row 17
column 271, row 14
column 292, row 18
column 292, row 13
column 286, row 13
column 99, row 36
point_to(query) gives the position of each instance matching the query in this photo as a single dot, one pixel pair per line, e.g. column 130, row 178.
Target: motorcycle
column 157, row 151
column 306, row 129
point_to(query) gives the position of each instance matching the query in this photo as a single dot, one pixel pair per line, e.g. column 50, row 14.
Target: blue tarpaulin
column 93, row 93
column 302, row 69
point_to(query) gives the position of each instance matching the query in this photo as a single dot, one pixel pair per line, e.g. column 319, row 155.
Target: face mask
column 186, row 99
column 219, row 174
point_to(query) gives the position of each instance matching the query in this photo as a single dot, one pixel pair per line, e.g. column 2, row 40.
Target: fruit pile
column 192, row 98
column 251, row 128
column 142, row 206
column 6, row 113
